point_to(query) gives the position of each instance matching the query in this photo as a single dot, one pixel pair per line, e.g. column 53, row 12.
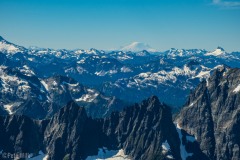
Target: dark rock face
column 2, row 111
column 71, row 132
column 20, row 134
column 212, row 115
column 140, row 130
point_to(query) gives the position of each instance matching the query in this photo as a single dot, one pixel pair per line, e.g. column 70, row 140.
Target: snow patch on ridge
column 89, row 97
column 166, row 146
column 44, row 84
column 183, row 151
column 167, row 150
column 218, row 52
column 8, row 80
column 40, row 156
column 126, row 69
column 9, row 48
column 71, row 84
column 26, row 71
column 104, row 73
column 8, row 108
column 237, row 89
column 104, row 154
column 203, row 74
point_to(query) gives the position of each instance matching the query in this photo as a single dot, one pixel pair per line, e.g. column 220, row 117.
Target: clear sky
column 108, row 24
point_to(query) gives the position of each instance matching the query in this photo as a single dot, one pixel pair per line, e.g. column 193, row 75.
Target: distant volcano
column 137, row 47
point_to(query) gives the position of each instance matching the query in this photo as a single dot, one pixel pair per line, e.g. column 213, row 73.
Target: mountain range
column 93, row 104
column 206, row 128
column 170, row 75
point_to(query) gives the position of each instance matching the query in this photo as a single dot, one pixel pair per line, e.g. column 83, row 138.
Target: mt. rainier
column 137, row 47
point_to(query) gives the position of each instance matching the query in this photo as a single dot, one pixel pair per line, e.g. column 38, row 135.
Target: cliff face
column 212, row 115
column 20, row 134
column 139, row 130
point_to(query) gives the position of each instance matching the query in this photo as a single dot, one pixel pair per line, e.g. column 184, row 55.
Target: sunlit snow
column 237, row 89
column 40, row 156
column 9, row 48
column 137, row 47
column 89, row 97
column 183, row 152
column 44, row 84
column 219, row 51
column 166, row 146
column 104, row 154
column 8, row 108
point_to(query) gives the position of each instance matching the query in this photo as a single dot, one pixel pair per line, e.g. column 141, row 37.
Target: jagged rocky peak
column 212, row 114
column 220, row 48
column 64, row 130
column 71, row 112
column 153, row 103
column 219, row 51
column 140, row 130
column 20, row 134
column 122, row 130
column 144, row 131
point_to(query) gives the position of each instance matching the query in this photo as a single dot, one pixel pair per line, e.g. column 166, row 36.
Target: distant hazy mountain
column 138, row 47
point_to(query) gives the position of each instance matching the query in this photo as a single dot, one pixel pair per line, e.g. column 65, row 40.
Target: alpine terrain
column 135, row 103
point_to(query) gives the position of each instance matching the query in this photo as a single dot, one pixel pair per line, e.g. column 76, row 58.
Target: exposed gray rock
column 140, row 130
column 212, row 115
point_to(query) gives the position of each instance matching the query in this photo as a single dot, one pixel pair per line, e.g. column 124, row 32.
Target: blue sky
column 108, row 24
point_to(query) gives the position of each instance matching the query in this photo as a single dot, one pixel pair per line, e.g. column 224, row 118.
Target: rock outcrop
column 212, row 115
column 139, row 130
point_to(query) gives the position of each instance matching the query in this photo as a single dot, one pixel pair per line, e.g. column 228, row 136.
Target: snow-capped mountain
column 173, row 52
column 138, row 47
column 217, row 52
column 207, row 128
column 22, row 92
column 124, row 74
column 52, row 85
column 8, row 47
